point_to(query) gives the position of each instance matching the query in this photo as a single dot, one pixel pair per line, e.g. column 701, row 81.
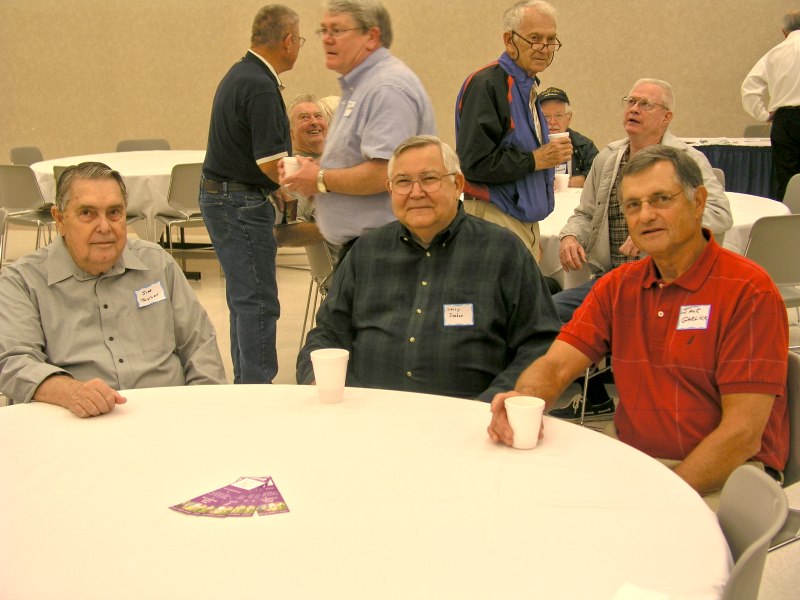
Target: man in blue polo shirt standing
column 249, row 134
column 383, row 102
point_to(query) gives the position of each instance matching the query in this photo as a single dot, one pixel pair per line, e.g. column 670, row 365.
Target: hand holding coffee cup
column 557, row 151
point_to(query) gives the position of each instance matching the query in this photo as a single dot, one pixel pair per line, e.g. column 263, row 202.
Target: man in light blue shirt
column 383, row 103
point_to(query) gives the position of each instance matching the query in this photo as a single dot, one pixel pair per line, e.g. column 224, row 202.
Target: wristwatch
column 321, row 182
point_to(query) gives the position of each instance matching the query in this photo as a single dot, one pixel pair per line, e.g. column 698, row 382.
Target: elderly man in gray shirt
column 94, row 312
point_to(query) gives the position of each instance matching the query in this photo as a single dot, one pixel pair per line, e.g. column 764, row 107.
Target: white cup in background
column 330, row 372
column 525, row 417
column 561, row 183
column 559, row 136
column 290, row 165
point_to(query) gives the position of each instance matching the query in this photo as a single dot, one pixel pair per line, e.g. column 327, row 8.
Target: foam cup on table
column 525, row 417
column 330, row 372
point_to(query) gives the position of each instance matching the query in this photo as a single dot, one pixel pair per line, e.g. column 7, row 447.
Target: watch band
column 321, row 182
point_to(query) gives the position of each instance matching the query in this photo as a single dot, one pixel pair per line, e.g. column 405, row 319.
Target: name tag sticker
column 458, row 315
column 694, row 317
column 150, row 294
column 349, row 108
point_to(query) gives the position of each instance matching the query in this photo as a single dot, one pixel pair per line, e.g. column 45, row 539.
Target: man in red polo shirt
column 699, row 337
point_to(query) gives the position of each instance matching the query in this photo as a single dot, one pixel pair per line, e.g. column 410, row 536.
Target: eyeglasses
column 659, row 202
column 300, row 40
column 429, row 183
column 538, row 46
column 556, row 117
column 644, row 104
column 334, row 32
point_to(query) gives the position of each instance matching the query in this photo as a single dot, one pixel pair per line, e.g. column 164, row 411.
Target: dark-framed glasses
column 538, row 45
column 428, row 182
column 334, row 31
column 644, row 104
column 659, row 202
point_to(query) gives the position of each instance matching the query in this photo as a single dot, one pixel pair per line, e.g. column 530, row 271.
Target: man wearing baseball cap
column 558, row 114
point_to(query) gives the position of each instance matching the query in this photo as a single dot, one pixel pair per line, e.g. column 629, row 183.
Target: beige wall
column 77, row 75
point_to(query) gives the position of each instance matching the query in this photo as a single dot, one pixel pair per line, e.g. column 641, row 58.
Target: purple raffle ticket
column 241, row 498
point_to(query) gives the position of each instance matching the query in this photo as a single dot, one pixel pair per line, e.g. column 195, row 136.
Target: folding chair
column 321, row 263
column 22, row 199
column 775, row 245
column 25, row 155
column 144, row 144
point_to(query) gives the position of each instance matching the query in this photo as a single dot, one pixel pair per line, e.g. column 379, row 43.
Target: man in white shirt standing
column 771, row 92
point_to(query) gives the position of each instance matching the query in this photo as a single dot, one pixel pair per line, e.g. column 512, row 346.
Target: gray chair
column 752, row 509
column 720, row 174
column 25, row 155
column 22, row 199
column 790, row 531
column 757, row 131
column 792, row 196
column 144, row 144
column 321, row 263
column 184, row 191
column 775, row 245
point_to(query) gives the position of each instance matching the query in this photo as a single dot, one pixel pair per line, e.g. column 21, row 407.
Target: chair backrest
column 184, row 188
column 775, row 245
column 791, row 474
column 25, row 155
column 148, row 144
column 57, row 171
column 792, row 196
column 757, row 131
column 320, row 261
column 19, row 190
column 720, row 174
column 752, row 508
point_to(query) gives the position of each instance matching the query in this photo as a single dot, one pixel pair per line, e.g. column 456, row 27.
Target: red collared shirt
column 720, row 328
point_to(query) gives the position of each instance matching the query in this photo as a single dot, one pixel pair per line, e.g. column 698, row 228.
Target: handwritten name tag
column 150, row 295
column 694, row 317
column 458, row 315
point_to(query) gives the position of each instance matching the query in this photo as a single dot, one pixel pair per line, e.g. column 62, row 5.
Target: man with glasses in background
column 702, row 380
column 248, row 135
column 597, row 233
column 383, row 102
column 501, row 133
column 418, row 308
column 557, row 112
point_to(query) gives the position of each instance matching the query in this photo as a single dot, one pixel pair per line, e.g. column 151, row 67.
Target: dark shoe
column 594, row 412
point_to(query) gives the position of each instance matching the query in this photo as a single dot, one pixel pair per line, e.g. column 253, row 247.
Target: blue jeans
column 240, row 227
column 568, row 301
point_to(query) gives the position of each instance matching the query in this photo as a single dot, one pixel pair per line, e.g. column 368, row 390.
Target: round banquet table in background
column 746, row 209
column 747, row 162
column 391, row 495
column 146, row 173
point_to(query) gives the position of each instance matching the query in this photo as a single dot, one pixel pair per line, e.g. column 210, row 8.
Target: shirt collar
column 697, row 274
column 269, row 66
column 352, row 78
column 60, row 265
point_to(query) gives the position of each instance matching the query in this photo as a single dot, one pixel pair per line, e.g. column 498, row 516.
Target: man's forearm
column 365, row 179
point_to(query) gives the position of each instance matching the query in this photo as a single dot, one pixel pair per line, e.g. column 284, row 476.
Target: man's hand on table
column 83, row 398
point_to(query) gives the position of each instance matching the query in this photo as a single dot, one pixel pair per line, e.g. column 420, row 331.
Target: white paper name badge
column 694, row 317
column 458, row 315
column 349, row 108
column 150, row 295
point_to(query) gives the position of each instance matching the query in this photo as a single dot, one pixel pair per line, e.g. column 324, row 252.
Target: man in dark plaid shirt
column 437, row 302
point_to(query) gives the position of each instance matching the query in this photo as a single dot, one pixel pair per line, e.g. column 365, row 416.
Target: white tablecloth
column 722, row 141
column 390, row 495
column 146, row 174
column 746, row 209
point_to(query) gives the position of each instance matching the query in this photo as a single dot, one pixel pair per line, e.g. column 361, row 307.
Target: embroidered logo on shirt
column 150, row 294
column 694, row 317
column 458, row 315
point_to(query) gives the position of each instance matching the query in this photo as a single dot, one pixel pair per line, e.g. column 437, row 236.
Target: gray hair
column 513, row 16
column 667, row 95
column 85, row 170
column 272, row 24
column 449, row 156
column 367, row 14
column 791, row 21
column 329, row 104
column 687, row 172
column 301, row 99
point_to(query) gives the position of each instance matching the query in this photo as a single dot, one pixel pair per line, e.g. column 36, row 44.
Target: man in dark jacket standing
column 501, row 134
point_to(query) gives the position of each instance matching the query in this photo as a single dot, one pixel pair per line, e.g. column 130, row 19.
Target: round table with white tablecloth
column 390, row 495
column 146, row 175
